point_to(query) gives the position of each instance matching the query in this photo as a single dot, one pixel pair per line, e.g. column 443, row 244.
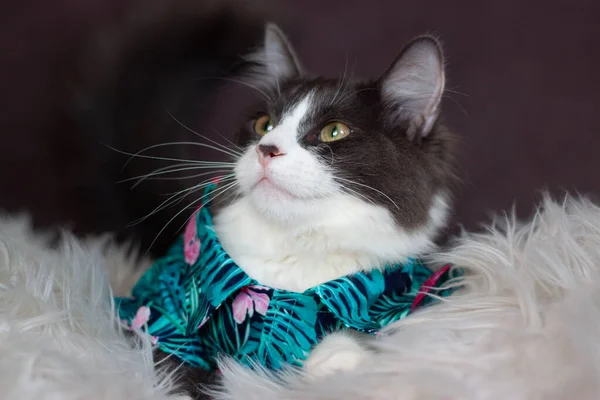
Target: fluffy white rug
column 58, row 333
column 527, row 325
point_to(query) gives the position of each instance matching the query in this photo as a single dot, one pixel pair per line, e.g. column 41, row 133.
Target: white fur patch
column 323, row 246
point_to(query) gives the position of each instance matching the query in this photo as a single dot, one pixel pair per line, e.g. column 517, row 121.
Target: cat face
column 319, row 147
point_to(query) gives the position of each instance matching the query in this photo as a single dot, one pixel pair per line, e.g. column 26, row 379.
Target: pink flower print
column 248, row 301
column 216, row 180
column 191, row 245
column 428, row 285
column 141, row 317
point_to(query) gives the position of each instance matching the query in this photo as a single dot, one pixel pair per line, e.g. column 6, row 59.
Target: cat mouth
column 266, row 184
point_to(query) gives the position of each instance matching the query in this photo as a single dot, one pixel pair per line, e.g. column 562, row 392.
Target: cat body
column 198, row 305
column 308, row 211
column 335, row 178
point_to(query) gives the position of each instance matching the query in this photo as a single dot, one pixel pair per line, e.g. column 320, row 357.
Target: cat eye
column 263, row 125
column 334, row 131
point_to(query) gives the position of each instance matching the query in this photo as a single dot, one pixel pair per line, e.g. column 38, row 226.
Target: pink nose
column 266, row 152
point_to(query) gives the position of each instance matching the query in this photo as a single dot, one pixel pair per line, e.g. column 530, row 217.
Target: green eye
column 263, row 125
column 334, row 131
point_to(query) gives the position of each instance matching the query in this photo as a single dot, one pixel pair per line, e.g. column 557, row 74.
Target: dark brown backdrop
column 524, row 80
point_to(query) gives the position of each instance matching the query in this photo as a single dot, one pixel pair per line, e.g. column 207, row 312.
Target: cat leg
column 337, row 352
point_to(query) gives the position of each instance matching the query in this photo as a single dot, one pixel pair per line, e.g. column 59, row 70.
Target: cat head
column 338, row 151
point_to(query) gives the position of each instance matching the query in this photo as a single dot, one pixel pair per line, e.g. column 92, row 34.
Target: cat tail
column 152, row 69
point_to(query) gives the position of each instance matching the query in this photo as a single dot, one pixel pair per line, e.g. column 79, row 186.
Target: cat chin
column 279, row 205
column 265, row 188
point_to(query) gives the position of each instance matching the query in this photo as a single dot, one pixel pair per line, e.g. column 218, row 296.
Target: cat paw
column 337, row 352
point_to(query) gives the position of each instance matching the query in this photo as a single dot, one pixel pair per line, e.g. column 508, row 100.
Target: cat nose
column 267, row 151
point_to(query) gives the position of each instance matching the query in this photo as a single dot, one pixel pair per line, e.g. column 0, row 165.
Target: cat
column 335, row 177
column 338, row 176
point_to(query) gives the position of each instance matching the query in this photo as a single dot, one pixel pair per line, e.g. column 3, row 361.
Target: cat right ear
column 413, row 86
column 276, row 61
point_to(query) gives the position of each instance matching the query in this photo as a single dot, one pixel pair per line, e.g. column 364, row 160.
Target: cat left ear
column 413, row 86
column 277, row 60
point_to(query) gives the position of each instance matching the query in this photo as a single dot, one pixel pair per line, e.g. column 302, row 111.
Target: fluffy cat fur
column 306, row 211
column 316, row 211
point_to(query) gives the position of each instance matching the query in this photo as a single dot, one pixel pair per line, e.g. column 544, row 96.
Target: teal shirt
column 197, row 303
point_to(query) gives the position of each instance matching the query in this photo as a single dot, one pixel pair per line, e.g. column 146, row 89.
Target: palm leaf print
column 391, row 307
column 216, row 273
column 197, row 307
column 350, row 298
column 222, row 335
column 189, row 349
column 161, row 288
column 288, row 332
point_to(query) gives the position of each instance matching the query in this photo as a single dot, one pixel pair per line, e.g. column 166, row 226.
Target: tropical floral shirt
column 197, row 304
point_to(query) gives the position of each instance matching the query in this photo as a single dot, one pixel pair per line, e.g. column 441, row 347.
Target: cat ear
column 276, row 61
column 414, row 84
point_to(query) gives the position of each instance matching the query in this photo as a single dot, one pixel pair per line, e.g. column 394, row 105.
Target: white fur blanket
column 527, row 326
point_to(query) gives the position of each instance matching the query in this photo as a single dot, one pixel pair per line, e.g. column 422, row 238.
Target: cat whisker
column 174, row 178
column 234, row 192
column 358, row 195
column 184, row 196
column 368, row 187
column 157, row 171
column 277, row 86
column 229, row 141
column 199, row 165
column 172, row 169
column 457, row 92
column 209, row 146
column 174, row 199
column 330, row 150
column 213, row 166
column 223, row 189
column 215, row 174
column 229, row 151
column 457, row 104
column 230, row 185
column 204, row 183
column 161, row 158
column 217, row 192
column 341, row 84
